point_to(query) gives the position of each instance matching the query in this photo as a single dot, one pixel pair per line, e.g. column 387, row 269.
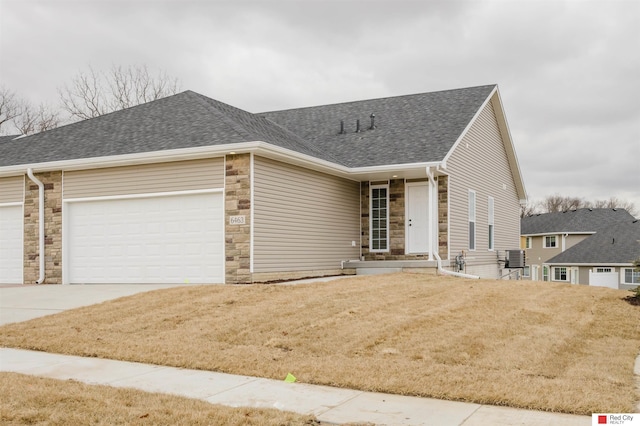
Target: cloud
column 567, row 70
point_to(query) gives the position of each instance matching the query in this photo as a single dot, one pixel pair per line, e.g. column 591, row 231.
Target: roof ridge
column 104, row 116
column 210, row 103
column 205, row 101
column 378, row 99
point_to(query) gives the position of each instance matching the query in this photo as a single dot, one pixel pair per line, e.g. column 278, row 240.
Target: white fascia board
column 352, row 173
column 469, row 124
column 506, row 134
column 511, row 150
column 257, row 147
column 129, row 159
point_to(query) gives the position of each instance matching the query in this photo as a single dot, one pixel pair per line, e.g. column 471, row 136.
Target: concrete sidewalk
column 331, row 405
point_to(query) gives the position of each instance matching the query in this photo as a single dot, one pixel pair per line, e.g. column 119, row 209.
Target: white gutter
column 40, row 223
column 181, row 154
column 455, row 274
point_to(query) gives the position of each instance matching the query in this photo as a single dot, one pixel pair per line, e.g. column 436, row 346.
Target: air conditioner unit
column 514, row 259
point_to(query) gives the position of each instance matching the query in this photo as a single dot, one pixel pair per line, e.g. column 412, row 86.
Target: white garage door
column 169, row 239
column 11, row 244
column 603, row 279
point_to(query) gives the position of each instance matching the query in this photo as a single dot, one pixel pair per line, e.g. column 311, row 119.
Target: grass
column 534, row 345
column 36, row 400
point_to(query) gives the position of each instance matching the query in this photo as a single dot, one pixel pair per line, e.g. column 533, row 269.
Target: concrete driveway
column 24, row 302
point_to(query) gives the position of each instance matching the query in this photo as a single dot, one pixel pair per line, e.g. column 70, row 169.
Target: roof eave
column 266, row 149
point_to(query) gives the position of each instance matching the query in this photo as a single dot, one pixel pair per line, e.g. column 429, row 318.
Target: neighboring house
column 189, row 189
column 549, row 234
column 604, row 259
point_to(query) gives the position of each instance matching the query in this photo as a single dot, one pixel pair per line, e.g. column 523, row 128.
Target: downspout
column 430, row 214
column 455, row 274
column 40, row 223
column 435, row 252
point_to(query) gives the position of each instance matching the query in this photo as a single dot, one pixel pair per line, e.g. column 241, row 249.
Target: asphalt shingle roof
column 617, row 243
column 185, row 120
column 408, row 129
column 7, row 138
column 572, row 221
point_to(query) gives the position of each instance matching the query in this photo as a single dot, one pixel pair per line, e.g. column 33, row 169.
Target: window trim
column 555, row 241
column 623, row 276
column 387, row 239
column 545, row 273
column 566, row 274
column 526, row 272
column 472, row 208
column 528, row 242
column 491, row 223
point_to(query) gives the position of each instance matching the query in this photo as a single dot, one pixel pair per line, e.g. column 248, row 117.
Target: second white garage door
column 11, row 219
column 168, row 239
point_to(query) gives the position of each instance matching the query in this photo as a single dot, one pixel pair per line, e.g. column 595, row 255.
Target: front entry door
column 417, row 220
column 534, row 272
column 575, row 276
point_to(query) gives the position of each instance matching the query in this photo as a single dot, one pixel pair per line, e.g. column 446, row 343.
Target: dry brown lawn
column 36, row 400
column 534, row 345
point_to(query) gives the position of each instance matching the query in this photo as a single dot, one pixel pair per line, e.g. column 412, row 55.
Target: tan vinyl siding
column 145, row 179
column 572, row 240
column 12, row 189
column 479, row 163
column 538, row 254
column 303, row 220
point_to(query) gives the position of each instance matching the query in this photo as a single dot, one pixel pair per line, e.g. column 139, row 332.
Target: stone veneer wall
column 237, row 202
column 397, row 222
column 364, row 219
column 52, row 229
column 443, row 216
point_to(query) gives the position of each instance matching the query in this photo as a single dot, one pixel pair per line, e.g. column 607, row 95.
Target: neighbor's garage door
column 604, row 279
column 11, row 244
column 160, row 239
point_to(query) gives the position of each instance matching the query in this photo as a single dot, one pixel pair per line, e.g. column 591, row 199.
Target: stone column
column 237, row 204
column 443, row 216
column 364, row 218
column 52, row 228
column 396, row 220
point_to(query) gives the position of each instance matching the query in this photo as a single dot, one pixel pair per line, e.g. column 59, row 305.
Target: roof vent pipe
column 357, row 126
column 373, row 121
column 342, row 132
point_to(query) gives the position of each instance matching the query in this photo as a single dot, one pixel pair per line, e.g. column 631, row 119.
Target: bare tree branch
column 9, row 108
column 558, row 203
column 23, row 117
column 36, row 120
column 93, row 94
column 528, row 209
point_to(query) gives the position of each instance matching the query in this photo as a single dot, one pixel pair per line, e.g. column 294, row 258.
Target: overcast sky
column 568, row 71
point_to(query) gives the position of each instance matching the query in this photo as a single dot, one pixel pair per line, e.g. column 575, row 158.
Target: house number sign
column 237, row 220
